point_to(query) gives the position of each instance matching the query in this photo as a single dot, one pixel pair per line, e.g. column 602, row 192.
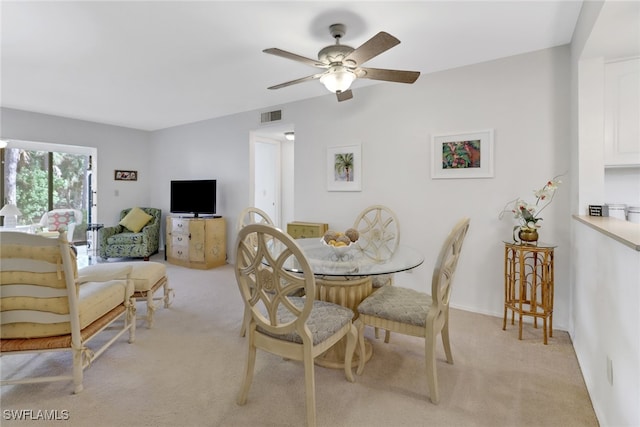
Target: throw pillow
column 135, row 220
column 59, row 221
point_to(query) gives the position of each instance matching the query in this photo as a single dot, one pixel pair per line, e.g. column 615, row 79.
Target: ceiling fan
column 342, row 64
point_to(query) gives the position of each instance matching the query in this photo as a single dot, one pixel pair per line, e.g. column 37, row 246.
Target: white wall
column 288, row 181
column 622, row 185
column 607, row 324
column 117, row 148
column 211, row 149
column 605, row 320
column 590, row 134
column 524, row 98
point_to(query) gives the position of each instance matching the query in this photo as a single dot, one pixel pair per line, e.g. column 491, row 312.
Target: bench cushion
column 95, row 299
column 143, row 274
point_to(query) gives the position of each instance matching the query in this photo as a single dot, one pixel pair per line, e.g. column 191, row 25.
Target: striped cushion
column 143, row 274
column 96, row 298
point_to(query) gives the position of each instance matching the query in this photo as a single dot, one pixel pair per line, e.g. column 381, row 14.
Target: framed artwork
column 126, row 175
column 462, row 155
column 344, row 168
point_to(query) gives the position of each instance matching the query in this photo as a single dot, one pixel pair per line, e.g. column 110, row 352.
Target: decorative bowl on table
column 338, row 248
column 340, row 243
column 340, row 252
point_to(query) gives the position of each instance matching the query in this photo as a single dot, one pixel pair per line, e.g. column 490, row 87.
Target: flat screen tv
column 197, row 197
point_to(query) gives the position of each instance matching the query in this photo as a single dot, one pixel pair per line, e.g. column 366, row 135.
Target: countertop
column 625, row 232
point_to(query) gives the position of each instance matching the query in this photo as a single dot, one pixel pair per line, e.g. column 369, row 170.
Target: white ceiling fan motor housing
column 334, row 54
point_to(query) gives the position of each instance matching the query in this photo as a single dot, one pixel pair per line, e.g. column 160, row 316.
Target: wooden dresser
column 301, row 230
column 196, row 242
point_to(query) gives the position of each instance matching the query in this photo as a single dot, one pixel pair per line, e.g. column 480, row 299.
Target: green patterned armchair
column 121, row 242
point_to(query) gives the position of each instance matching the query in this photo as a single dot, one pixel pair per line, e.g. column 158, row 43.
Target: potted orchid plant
column 528, row 214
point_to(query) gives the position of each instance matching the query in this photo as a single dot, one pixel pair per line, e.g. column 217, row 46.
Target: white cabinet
column 196, row 242
column 622, row 113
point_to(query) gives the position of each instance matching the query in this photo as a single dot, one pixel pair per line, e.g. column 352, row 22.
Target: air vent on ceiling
column 271, row 116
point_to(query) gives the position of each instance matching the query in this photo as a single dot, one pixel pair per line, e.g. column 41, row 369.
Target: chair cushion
column 143, row 274
column 50, row 234
column 381, row 280
column 325, row 320
column 135, row 220
column 126, row 239
column 397, row 304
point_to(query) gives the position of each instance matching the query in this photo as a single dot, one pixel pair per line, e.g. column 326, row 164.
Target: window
column 43, row 177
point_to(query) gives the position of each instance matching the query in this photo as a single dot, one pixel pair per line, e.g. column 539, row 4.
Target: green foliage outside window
column 26, row 182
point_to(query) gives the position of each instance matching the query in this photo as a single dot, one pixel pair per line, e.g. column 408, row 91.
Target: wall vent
column 271, row 116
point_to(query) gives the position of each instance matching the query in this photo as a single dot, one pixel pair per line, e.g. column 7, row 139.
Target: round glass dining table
column 328, row 261
column 343, row 276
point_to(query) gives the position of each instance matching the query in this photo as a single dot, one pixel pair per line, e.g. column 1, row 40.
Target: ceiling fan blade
column 343, row 96
column 377, row 44
column 295, row 57
column 398, row 76
column 293, row 82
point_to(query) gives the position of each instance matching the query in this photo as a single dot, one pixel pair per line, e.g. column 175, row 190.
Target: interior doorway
column 271, row 181
column 266, row 192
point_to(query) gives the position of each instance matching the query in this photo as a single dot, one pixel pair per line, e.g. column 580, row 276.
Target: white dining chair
column 415, row 313
column 379, row 236
column 250, row 215
column 292, row 327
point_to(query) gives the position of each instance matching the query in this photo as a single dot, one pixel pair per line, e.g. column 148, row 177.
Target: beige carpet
column 187, row 370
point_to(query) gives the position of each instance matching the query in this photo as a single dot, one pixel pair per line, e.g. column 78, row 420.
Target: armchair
column 120, row 242
column 48, row 306
column 61, row 219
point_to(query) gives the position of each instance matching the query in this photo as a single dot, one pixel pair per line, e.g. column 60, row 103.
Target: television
column 197, row 197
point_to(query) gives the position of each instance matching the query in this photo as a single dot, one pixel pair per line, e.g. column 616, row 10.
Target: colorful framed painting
column 344, row 168
column 126, row 175
column 462, row 155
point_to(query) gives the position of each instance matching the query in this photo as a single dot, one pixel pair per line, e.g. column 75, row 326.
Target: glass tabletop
column 326, row 261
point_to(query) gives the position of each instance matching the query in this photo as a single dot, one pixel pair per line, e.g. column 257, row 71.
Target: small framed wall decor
column 462, row 155
column 344, row 168
column 126, row 175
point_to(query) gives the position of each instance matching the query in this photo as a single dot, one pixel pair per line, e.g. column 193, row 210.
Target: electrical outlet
column 609, row 370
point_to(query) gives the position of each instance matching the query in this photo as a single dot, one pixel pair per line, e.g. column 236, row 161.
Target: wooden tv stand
column 196, row 242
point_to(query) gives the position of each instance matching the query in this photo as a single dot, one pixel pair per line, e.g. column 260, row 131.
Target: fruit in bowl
column 338, row 247
column 352, row 234
column 340, row 242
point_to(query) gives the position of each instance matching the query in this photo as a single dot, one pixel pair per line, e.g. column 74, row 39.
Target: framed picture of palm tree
column 463, row 155
column 344, row 168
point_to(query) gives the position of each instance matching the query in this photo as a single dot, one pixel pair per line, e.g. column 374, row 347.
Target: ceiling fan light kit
column 342, row 63
column 338, row 78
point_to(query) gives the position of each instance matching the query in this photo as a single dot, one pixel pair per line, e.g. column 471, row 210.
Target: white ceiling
column 152, row 65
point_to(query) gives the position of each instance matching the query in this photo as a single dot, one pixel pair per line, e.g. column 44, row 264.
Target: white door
column 267, row 178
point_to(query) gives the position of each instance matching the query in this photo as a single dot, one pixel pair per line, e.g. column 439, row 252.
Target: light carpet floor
column 187, row 370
